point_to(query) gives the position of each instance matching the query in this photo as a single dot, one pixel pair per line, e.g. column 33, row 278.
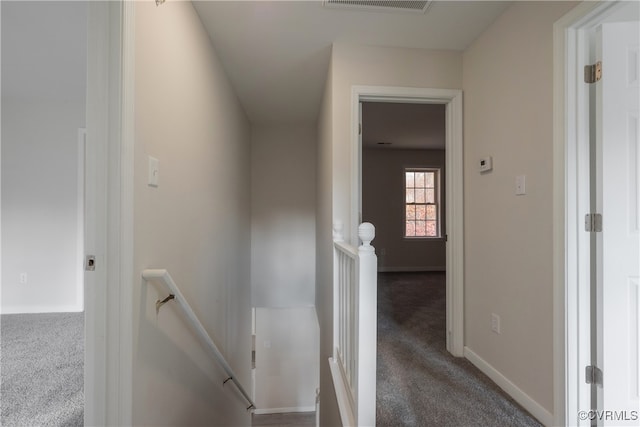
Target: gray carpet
column 418, row 382
column 41, row 369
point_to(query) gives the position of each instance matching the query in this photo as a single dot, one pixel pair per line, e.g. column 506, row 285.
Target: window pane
column 411, row 211
column 429, row 180
column 431, row 198
column 409, row 176
column 431, row 212
column 410, row 198
column 410, row 229
column 431, row 229
column 421, row 209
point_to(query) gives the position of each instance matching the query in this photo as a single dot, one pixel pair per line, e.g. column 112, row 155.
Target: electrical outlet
column 23, row 278
column 495, row 323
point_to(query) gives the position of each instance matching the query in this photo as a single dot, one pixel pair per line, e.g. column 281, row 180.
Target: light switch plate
column 154, row 171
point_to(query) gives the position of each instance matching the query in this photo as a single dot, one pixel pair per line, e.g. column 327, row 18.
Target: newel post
column 367, row 326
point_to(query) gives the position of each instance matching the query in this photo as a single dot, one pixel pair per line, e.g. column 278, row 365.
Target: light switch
column 521, row 188
column 154, row 171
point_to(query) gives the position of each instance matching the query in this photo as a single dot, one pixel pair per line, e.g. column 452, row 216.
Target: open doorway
column 404, row 185
column 403, row 195
column 44, row 59
column 598, row 242
column 452, row 215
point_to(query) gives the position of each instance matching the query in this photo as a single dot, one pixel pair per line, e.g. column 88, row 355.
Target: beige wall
column 378, row 66
column 196, row 223
column 357, row 65
column 508, row 86
column 383, row 204
column 283, row 214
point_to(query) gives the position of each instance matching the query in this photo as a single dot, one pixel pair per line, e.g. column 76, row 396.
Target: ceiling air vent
column 380, row 6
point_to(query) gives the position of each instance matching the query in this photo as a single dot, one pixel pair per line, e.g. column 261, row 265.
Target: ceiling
column 276, row 53
column 387, row 125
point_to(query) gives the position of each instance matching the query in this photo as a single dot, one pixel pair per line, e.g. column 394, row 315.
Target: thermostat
column 485, row 164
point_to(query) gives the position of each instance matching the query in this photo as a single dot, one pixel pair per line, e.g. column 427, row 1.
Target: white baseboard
column 33, row 309
column 284, row 410
column 541, row 414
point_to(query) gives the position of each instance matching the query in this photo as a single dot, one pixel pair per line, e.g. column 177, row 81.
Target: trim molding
column 541, row 414
column 110, row 143
column 284, row 410
column 33, row 309
column 124, row 407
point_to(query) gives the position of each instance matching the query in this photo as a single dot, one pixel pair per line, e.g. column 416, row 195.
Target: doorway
column 44, row 58
column 403, row 195
column 599, row 131
column 452, row 215
column 403, row 184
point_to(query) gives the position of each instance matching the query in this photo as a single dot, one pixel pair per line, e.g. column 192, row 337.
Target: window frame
column 437, row 200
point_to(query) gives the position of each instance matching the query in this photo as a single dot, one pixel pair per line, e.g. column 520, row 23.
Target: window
column 422, row 210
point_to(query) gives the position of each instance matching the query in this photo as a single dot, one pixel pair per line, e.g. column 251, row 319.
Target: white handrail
column 162, row 274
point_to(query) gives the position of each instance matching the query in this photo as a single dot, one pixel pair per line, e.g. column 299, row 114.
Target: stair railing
column 353, row 365
column 201, row 332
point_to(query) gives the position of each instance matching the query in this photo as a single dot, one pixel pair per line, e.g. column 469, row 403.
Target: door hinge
column 359, row 128
column 593, row 375
column 593, row 73
column 593, row 223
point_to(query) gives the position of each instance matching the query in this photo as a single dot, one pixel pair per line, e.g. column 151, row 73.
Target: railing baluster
column 353, row 366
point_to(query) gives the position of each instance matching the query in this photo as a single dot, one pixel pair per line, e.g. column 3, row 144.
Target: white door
column 618, row 295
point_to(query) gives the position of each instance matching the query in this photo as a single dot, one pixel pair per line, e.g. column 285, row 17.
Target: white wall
column 383, row 204
column 287, row 359
column 357, row 65
column 508, row 238
column 283, row 213
column 329, row 412
column 196, row 223
column 43, row 105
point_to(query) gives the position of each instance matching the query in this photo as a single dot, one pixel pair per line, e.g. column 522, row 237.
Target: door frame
column 571, row 201
column 109, row 230
column 454, row 176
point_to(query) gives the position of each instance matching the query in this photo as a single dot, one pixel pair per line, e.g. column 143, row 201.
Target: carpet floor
column 41, row 369
column 419, row 383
